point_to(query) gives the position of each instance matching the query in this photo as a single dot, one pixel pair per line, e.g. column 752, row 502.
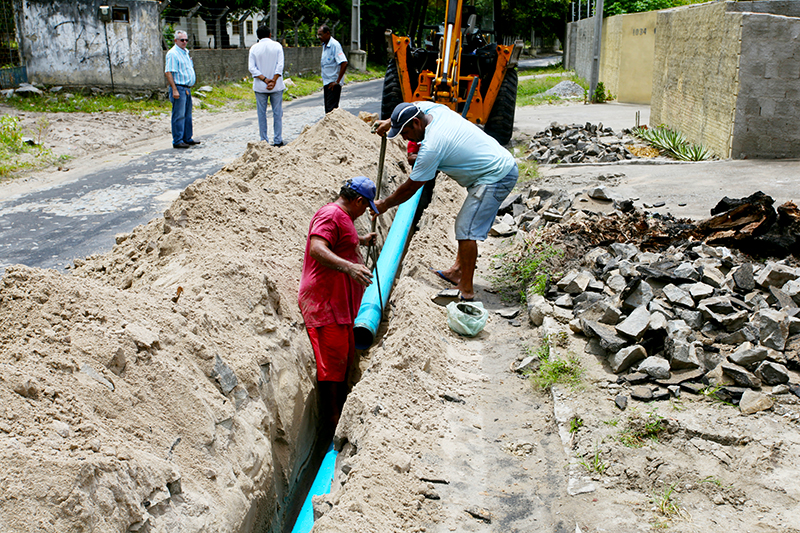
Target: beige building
column 726, row 74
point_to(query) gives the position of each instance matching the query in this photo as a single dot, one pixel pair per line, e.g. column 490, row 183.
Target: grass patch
column 555, row 370
column 575, row 424
column 641, row 430
column 528, row 171
column 665, row 507
column 713, row 480
column 15, row 153
column 712, row 394
column 60, row 103
column 531, row 92
column 240, row 95
column 541, row 353
column 594, row 463
column 527, row 267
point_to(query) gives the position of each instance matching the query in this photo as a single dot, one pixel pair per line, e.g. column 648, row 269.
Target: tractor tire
column 392, row 93
column 500, row 124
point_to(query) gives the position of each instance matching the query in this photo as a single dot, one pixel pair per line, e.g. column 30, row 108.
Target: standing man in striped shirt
column 179, row 71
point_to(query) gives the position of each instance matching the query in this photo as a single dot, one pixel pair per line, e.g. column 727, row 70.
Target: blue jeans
column 181, row 115
column 479, row 209
column 277, row 115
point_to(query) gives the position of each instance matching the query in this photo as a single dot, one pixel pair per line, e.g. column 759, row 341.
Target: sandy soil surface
column 169, row 385
column 96, row 134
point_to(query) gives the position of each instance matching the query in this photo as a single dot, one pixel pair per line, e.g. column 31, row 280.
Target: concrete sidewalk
column 699, row 185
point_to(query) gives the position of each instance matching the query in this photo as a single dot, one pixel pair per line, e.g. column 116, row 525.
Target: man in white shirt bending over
column 266, row 66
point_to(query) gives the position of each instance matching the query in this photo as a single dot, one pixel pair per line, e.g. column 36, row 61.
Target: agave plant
column 672, row 143
column 693, row 152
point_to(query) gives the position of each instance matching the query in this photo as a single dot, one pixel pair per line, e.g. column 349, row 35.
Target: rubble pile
column 750, row 225
column 574, row 217
column 691, row 317
column 590, row 143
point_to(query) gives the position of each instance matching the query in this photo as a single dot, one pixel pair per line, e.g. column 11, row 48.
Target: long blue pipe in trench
column 321, row 485
column 369, row 314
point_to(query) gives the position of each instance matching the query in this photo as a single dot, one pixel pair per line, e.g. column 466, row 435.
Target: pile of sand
column 170, row 381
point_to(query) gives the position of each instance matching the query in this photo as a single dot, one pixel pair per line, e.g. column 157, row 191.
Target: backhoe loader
column 458, row 68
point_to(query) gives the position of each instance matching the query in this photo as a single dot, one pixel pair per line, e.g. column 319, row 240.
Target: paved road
column 49, row 227
column 542, row 61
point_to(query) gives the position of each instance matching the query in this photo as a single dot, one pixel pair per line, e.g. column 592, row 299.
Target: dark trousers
column 331, row 97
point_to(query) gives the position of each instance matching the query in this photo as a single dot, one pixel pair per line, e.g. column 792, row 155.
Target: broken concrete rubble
column 575, row 143
column 683, row 327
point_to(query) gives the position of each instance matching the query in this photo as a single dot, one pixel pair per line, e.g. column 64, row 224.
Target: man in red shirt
column 331, row 286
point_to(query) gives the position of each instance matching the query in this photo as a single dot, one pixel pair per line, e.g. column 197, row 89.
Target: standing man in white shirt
column 266, row 66
column 333, row 65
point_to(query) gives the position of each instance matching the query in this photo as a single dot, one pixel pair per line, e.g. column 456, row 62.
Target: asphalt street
column 49, row 227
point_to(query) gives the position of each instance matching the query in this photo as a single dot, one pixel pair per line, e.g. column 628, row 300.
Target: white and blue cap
column 402, row 115
column 364, row 187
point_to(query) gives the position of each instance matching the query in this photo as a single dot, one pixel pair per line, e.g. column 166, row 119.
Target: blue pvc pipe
column 322, row 485
column 369, row 314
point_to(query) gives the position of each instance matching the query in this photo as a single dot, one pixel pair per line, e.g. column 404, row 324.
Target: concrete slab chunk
column 655, row 367
column 635, row 325
column 753, row 402
column 678, row 296
column 626, row 358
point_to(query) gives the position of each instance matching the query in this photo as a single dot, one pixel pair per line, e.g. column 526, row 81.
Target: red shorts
column 334, row 350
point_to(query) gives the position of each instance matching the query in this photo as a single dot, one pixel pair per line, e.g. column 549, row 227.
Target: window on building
column 249, row 25
column 120, row 14
column 235, row 28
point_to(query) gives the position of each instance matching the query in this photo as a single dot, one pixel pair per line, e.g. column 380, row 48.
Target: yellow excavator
column 459, row 68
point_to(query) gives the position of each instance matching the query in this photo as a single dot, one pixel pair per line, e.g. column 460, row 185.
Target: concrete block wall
column 626, row 54
column 695, row 73
column 580, row 46
column 768, row 104
column 65, row 43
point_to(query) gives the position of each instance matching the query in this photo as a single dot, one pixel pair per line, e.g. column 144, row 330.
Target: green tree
column 619, row 7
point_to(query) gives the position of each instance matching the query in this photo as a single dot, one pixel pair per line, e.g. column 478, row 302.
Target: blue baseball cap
column 365, row 187
column 402, row 115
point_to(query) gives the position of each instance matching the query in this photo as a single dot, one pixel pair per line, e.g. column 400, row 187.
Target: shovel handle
column 381, row 159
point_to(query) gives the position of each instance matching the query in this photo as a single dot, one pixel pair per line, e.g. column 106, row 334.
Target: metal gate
column 12, row 71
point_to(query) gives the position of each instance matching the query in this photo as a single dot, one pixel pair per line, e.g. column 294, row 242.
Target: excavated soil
column 168, row 385
column 170, row 380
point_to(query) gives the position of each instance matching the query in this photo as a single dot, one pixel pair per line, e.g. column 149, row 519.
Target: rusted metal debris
column 748, row 224
column 752, row 225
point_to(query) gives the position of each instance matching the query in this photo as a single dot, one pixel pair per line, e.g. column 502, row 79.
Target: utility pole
column 598, row 40
column 161, row 7
column 355, row 26
column 191, row 36
column 273, row 18
column 221, row 20
column 241, row 24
